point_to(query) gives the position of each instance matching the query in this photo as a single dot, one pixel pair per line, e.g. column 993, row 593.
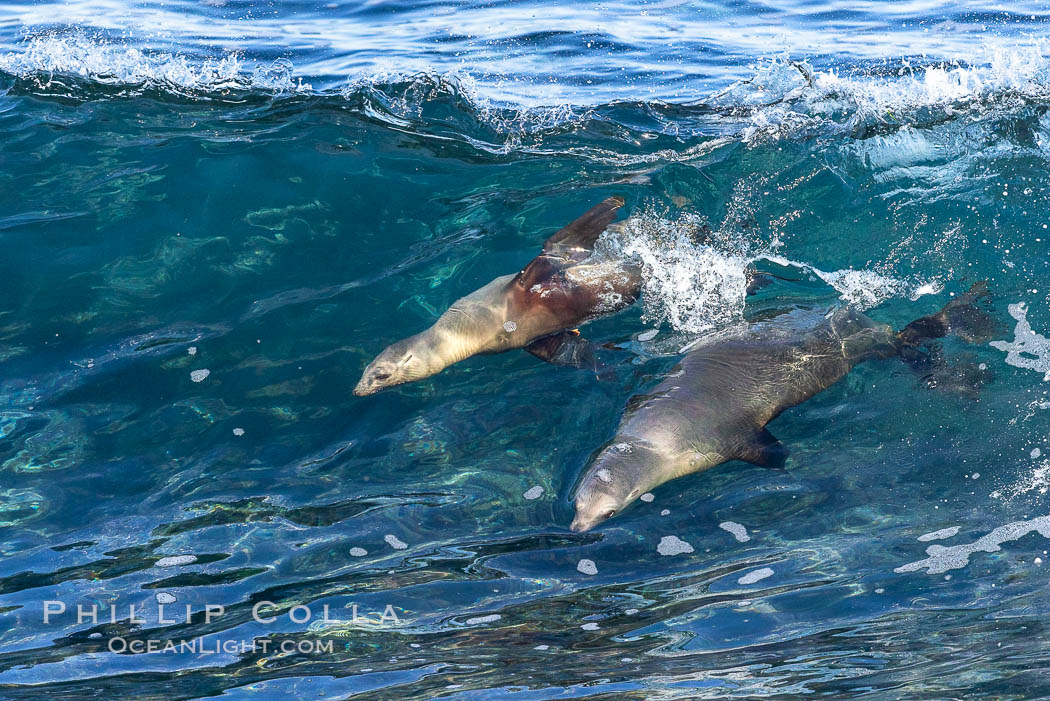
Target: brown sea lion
column 535, row 309
column 714, row 405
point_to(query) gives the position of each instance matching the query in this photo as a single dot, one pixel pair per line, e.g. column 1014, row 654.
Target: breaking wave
column 783, row 99
column 48, row 61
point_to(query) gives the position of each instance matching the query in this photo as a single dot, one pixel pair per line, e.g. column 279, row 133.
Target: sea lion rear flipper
column 961, row 317
column 763, row 449
column 565, row 348
column 962, row 375
column 579, row 236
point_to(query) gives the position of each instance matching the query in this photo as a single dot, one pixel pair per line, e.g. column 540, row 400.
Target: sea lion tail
column 960, row 317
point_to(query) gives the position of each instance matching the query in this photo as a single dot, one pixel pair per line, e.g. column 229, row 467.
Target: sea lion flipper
column 580, row 235
column 763, row 449
column 565, row 348
column 756, row 280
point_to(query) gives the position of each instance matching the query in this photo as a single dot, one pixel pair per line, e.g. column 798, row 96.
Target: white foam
column 491, row 618
column 738, row 531
column 238, row 432
column 587, row 566
column 175, row 560
column 358, row 552
column 395, row 542
column 863, row 289
column 939, row 535
column 696, row 279
column 164, row 597
column 755, row 576
column 1037, row 480
column 122, row 65
column 673, row 545
column 590, row 626
column 941, row 559
column 534, row 492
column 647, row 497
column 792, row 99
column 693, row 286
column 200, row 375
column 1029, row 349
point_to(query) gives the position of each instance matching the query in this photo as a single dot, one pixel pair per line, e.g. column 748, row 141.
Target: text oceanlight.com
column 199, row 646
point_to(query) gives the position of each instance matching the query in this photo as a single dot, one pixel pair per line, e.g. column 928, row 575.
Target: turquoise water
column 274, row 193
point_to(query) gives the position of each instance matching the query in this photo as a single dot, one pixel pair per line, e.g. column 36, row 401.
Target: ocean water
column 214, row 214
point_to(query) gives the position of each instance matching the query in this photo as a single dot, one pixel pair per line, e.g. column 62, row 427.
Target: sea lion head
column 401, row 362
column 617, row 476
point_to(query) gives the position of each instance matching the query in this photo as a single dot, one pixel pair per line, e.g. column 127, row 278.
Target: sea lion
column 560, row 289
column 714, row 405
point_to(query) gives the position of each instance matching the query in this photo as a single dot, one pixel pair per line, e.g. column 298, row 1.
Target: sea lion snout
column 609, row 485
column 398, row 364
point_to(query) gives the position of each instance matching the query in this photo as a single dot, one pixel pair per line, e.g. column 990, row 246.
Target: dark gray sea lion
column 714, row 405
column 535, row 309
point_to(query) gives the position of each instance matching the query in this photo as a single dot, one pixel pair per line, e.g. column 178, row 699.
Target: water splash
column 48, row 58
column 790, row 99
column 690, row 284
column 696, row 279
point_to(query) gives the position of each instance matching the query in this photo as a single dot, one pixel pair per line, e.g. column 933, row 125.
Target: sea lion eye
column 383, row 376
column 610, row 513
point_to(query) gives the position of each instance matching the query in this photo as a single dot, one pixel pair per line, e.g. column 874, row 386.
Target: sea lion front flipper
column 570, row 245
column 763, row 449
column 576, row 240
column 566, row 348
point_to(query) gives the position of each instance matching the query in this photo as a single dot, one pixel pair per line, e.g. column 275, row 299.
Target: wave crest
column 48, row 59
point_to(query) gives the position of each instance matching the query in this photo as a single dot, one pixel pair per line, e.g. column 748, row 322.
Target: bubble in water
column 738, row 531
column 395, row 542
column 940, row 559
column 176, row 560
column 939, row 535
column 673, row 545
column 755, row 576
column 1029, row 349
